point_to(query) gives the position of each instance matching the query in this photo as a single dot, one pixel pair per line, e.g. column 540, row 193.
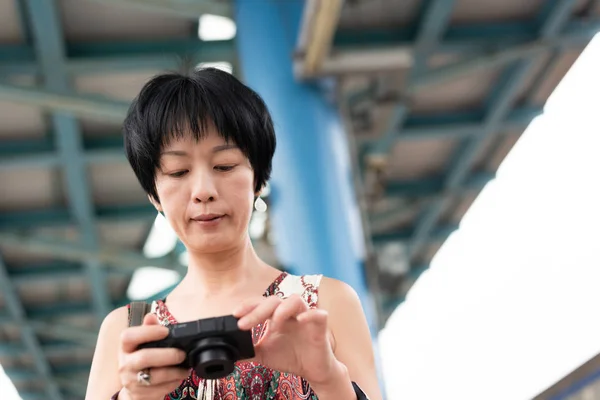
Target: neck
column 221, row 273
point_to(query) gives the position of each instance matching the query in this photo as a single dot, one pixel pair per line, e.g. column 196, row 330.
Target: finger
column 153, row 358
column 261, row 313
column 132, row 337
column 150, row 319
column 316, row 322
column 137, row 391
column 247, row 306
column 162, row 376
column 314, row 316
column 289, row 309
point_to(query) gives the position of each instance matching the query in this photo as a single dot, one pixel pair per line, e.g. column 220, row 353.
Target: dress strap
column 307, row 286
column 137, row 310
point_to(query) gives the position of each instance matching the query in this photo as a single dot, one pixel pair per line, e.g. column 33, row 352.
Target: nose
column 204, row 189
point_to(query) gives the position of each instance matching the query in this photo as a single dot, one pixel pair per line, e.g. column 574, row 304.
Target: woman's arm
column 352, row 340
column 104, row 378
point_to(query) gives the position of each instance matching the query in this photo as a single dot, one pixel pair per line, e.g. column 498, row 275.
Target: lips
column 207, row 217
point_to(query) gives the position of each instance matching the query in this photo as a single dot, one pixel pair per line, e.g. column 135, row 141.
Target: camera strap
column 137, row 312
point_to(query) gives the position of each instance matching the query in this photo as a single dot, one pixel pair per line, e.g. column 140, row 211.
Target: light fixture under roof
column 222, row 65
column 215, row 27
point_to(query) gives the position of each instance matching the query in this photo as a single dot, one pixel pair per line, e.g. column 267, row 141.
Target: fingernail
column 242, row 323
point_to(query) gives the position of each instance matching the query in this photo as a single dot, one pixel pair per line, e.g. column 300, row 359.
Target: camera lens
column 213, row 358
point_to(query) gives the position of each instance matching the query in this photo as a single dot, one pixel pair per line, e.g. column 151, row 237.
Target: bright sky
column 510, row 303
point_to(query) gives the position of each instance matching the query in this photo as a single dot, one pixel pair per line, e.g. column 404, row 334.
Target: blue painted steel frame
column 93, row 57
column 431, row 24
column 467, row 39
column 498, row 106
column 51, row 56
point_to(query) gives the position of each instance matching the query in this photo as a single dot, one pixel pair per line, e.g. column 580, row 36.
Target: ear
column 155, row 204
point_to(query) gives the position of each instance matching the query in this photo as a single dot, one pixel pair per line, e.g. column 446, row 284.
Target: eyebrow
column 183, row 153
column 174, row 153
column 224, row 147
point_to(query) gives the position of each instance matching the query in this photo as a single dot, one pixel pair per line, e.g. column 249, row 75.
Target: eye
column 178, row 174
column 224, row 168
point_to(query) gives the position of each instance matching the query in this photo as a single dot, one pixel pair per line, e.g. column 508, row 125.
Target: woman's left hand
column 296, row 340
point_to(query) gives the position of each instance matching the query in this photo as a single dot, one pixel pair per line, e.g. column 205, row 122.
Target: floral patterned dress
column 251, row 381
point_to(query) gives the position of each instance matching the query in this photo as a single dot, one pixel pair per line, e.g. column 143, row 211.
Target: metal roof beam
column 443, row 126
column 61, row 371
column 392, row 50
column 37, row 153
column 498, row 107
column 464, row 38
column 63, row 332
column 43, row 313
column 489, row 61
column 17, row 312
column 61, row 217
column 460, row 131
column 431, row 25
column 54, row 349
column 73, row 387
column 102, row 57
column 435, row 186
column 319, row 22
column 440, row 234
column 77, row 104
column 49, row 40
column 180, row 8
column 64, row 250
column 57, row 273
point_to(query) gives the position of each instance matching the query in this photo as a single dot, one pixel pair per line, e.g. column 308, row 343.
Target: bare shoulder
column 342, row 304
column 335, row 294
column 103, row 380
column 351, row 337
column 115, row 322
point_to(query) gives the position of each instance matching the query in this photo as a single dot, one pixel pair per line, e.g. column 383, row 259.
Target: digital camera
column 211, row 345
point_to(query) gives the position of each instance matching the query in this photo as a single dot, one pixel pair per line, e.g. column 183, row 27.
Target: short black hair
column 173, row 105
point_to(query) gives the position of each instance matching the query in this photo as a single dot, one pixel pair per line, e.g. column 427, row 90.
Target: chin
column 212, row 245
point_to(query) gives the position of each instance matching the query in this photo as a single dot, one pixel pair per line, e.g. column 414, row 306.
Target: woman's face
column 206, row 191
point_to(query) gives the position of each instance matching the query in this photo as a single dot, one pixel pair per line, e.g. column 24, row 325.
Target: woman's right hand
column 160, row 362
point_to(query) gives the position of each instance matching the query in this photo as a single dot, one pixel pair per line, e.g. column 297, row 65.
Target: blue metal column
column 315, row 214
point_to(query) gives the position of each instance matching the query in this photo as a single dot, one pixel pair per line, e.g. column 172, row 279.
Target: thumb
column 150, row 319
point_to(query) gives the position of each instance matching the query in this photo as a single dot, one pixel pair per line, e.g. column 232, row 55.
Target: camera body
column 211, row 345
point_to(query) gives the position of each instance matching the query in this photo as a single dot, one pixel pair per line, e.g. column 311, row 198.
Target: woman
column 201, row 147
